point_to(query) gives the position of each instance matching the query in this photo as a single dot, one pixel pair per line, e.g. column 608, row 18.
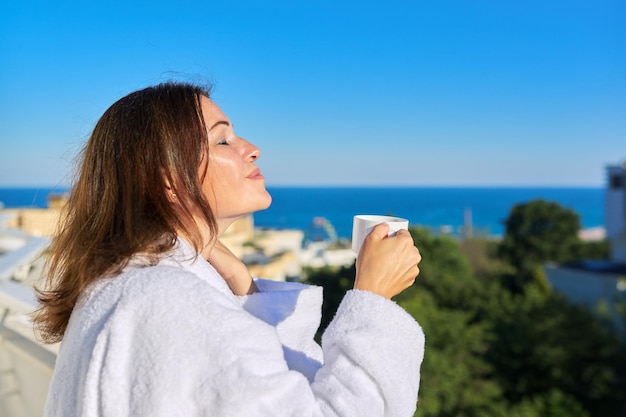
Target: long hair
column 145, row 148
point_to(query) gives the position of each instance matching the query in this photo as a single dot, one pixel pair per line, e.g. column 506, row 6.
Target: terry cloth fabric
column 173, row 340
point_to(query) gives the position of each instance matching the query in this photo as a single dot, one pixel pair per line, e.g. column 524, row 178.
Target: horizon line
column 348, row 185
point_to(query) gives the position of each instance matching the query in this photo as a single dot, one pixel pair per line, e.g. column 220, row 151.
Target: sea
column 329, row 210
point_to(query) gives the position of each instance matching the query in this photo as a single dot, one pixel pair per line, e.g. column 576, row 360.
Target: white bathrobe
column 172, row 340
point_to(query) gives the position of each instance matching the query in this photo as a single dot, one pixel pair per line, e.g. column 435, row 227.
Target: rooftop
column 601, row 267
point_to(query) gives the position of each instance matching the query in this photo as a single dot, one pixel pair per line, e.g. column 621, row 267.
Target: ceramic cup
column 363, row 224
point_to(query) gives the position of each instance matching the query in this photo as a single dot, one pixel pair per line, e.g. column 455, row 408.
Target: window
column 616, row 181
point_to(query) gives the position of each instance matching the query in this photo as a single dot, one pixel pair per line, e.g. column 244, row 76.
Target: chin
column 267, row 203
column 259, row 204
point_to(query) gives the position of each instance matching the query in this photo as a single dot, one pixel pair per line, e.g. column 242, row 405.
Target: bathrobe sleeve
column 294, row 310
column 171, row 345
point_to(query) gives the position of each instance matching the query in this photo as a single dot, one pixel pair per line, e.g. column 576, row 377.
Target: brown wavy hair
column 147, row 146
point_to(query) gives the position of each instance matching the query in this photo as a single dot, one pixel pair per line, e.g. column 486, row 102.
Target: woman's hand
column 234, row 272
column 387, row 265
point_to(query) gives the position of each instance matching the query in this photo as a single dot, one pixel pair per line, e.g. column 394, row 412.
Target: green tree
column 492, row 352
column 544, row 343
column 457, row 379
column 483, row 257
column 444, row 272
column 591, row 250
column 554, row 403
column 537, row 232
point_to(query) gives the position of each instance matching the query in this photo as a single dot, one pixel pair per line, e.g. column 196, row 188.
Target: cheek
column 223, row 176
column 226, row 164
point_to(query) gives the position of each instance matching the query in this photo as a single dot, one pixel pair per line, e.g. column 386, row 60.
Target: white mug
column 363, row 224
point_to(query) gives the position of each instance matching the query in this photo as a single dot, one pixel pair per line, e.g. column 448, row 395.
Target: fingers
column 411, row 259
column 231, row 269
column 222, row 258
column 403, row 232
column 404, row 237
column 380, row 231
column 387, row 265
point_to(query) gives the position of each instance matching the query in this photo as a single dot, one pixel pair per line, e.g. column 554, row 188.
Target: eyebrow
column 220, row 122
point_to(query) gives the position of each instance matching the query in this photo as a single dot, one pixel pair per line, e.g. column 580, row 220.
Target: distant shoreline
column 287, row 186
column 445, row 210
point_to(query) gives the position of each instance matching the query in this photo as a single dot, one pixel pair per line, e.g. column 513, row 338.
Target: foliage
column 591, row 250
column 446, row 300
column 537, row 232
column 483, row 257
column 499, row 350
column 554, row 403
column 544, row 343
column 457, row 380
column 444, row 272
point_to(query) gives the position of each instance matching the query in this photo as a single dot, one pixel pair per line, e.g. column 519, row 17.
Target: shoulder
column 160, row 278
column 155, row 290
column 173, row 285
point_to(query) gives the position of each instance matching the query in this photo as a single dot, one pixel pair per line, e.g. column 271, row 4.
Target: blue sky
column 334, row 93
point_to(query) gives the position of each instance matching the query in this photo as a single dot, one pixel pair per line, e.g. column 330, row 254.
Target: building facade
column 615, row 211
column 600, row 285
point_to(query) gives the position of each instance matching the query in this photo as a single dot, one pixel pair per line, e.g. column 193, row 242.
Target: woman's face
column 233, row 185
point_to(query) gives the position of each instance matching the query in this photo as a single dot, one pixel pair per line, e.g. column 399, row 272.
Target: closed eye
column 224, row 131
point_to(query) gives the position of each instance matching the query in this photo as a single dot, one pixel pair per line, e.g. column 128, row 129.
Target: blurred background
column 497, row 128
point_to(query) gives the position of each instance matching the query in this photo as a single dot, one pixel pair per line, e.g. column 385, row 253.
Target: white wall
column 587, row 288
column 615, row 212
column 615, row 208
column 618, row 248
column 580, row 286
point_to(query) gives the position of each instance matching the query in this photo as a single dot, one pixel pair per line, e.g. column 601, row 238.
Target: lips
column 255, row 175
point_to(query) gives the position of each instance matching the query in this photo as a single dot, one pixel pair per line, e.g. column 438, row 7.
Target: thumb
column 380, row 231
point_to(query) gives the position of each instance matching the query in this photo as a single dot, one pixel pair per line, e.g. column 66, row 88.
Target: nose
column 252, row 152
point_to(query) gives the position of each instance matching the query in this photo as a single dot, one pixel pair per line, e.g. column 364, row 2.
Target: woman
column 159, row 318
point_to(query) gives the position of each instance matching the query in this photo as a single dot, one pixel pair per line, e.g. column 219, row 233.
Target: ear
column 169, row 190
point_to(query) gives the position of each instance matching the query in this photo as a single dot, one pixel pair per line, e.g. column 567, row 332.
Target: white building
column 599, row 284
column 25, row 364
column 615, row 211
